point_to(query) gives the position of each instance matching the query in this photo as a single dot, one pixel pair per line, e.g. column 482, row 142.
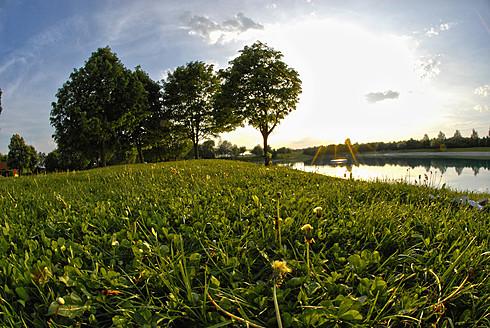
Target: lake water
column 456, row 174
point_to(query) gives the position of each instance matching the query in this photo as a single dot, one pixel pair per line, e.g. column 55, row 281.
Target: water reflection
column 455, row 173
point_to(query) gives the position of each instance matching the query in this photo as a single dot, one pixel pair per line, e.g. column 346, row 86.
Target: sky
column 371, row 70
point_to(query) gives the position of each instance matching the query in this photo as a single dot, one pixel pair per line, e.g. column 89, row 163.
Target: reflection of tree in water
column 441, row 164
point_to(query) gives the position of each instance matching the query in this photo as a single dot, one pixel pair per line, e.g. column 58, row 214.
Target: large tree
column 189, row 95
column 261, row 87
column 100, row 102
column 21, row 156
column 148, row 130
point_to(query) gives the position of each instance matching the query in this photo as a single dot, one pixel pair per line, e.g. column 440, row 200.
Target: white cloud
column 214, row 32
column 374, row 97
column 428, row 68
column 483, row 90
column 482, row 108
column 435, row 30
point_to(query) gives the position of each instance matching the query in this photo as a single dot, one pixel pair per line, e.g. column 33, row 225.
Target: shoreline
column 451, row 154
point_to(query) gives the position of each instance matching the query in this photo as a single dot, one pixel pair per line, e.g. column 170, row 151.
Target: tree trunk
column 102, row 153
column 195, row 141
column 266, row 155
column 196, row 150
column 140, row 152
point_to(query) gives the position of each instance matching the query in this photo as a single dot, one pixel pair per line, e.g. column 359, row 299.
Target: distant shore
column 451, row 154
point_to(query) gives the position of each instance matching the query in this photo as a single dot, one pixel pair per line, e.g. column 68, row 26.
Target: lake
column 457, row 174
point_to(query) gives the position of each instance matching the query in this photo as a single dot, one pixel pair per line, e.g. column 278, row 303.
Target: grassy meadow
column 193, row 244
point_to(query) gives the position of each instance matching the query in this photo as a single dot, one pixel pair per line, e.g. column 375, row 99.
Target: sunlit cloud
column 427, row 68
column 435, row 30
column 482, row 108
column 214, row 32
column 484, row 90
column 374, row 97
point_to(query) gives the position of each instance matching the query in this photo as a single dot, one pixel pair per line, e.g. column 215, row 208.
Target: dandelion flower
column 307, row 228
column 280, row 268
column 61, row 300
column 318, row 211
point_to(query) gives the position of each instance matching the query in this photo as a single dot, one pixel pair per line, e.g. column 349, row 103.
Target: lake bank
column 447, row 154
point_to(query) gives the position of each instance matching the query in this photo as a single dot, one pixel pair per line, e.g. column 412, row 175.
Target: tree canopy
column 101, row 102
column 261, row 87
column 21, row 156
column 148, row 129
column 189, row 98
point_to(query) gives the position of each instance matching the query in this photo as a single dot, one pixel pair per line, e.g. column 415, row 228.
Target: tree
column 174, row 145
column 189, row 95
column 100, row 103
column 257, row 150
column 224, row 148
column 52, row 161
column 148, row 129
column 21, row 156
column 439, row 141
column 206, row 149
column 474, row 134
column 41, row 164
column 237, row 151
column 457, row 135
column 262, row 88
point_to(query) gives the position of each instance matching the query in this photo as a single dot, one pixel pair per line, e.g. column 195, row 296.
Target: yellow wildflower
column 280, row 268
column 307, row 228
column 318, row 211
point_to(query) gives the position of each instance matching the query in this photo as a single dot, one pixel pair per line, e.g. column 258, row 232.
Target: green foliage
column 261, row 87
column 101, row 102
column 257, row 150
column 148, row 130
column 206, row 149
column 189, row 98
column 227, row 149
column 147, row 245
column 21, row 156
column 52, row 161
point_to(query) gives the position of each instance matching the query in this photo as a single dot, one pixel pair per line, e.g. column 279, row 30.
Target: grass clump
column 192, row 243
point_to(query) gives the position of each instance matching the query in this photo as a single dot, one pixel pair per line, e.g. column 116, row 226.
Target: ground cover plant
column 231, row 244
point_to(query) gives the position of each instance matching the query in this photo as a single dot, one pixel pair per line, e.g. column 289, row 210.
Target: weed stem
column 248, row 323
column 276, row 306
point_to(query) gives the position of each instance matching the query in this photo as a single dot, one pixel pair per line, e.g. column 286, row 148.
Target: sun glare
column 340, row 63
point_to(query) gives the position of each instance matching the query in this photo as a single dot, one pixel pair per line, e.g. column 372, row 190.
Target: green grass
column 156, row 244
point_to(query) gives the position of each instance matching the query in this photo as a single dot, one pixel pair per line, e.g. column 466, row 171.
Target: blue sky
column 372, row 70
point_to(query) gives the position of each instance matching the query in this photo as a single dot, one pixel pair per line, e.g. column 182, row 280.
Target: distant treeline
column 441, row 142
